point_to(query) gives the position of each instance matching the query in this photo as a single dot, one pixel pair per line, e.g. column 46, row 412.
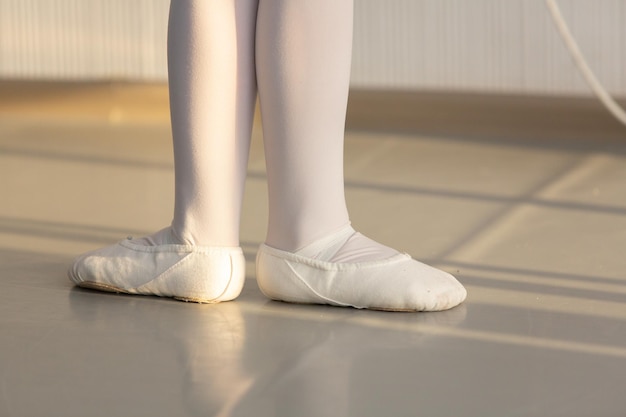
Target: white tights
column 296, row 55
column 298, row 52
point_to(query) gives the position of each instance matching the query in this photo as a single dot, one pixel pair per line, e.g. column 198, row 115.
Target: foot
column 157, row 265
column 384, row 280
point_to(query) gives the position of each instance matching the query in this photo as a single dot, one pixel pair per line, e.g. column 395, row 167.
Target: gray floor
column 536, row 229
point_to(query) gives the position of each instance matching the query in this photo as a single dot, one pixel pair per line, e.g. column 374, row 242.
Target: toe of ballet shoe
column 185, row 272
column 441, row 292
column 398, row 283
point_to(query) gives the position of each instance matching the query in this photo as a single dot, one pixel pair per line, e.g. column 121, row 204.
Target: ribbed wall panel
column 492, row 45
column 121, row 39
column 469, row 45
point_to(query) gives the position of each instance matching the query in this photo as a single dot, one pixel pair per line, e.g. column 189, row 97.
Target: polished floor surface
column 532, row 220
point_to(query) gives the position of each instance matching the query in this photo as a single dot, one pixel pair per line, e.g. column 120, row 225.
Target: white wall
column 468, row 45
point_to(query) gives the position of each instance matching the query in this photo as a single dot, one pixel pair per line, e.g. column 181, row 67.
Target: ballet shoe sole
column 101, row 287
column 112, row 289
column 389, row 310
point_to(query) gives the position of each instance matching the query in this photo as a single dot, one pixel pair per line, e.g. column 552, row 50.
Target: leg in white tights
column 303, row 65
column 212, row 95
column 303, row 70
column 311, row 254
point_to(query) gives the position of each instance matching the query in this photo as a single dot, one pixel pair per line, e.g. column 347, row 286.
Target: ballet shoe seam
column 180, row 263
column 185, row 259
column 306, row 284
column 230, row 279
column 226, row 287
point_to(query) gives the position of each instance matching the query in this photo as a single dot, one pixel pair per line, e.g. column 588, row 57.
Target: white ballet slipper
column 200, row 274
column 398, row 283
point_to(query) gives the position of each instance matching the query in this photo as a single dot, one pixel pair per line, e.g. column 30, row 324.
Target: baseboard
column 484, row 115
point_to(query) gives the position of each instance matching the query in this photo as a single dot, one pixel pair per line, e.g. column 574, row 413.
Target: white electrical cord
column 579, row 59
